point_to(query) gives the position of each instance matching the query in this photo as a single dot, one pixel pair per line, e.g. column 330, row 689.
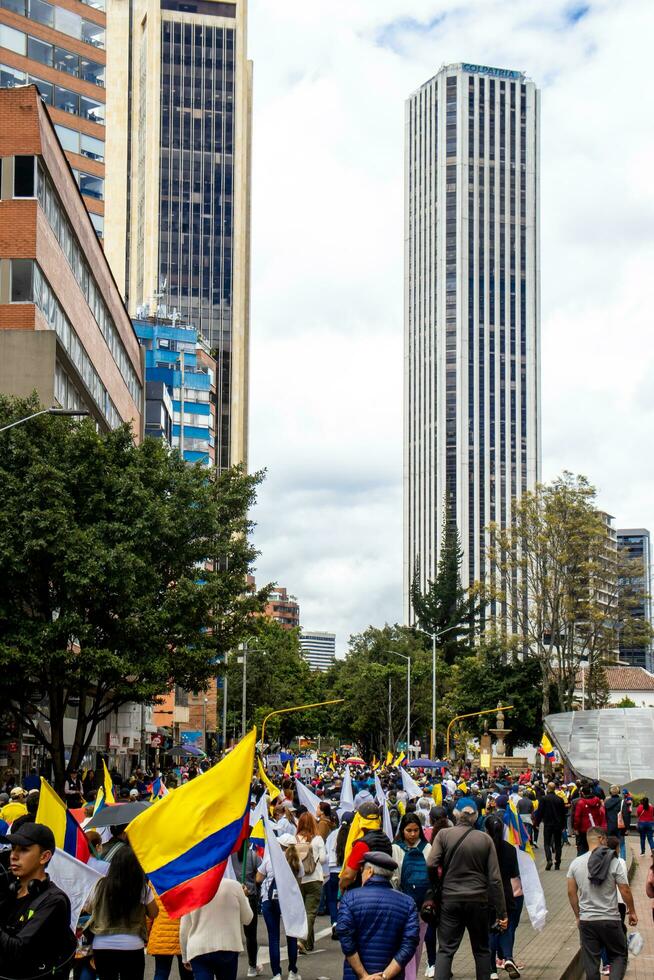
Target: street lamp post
column 204, row 724
column 408, row 696
column 244, row 651
column 45, row 411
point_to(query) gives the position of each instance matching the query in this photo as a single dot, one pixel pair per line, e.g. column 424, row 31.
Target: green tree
column 122, row 572
column 446, row 607
column 277, row 676
column 493, row 677
column 626, row 702
column 373, row 682
column 559, row 584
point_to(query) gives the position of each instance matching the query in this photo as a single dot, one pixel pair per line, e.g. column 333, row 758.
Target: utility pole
column 244, row 650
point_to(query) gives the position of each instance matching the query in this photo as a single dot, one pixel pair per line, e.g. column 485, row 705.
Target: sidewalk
column 642, row 967
column 547, row 955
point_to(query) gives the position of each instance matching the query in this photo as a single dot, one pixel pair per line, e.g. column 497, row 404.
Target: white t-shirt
column 123, row 940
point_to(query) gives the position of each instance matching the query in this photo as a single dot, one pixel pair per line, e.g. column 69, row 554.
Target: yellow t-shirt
column 12, row 811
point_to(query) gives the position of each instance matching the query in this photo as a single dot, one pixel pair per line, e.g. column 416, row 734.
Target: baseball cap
column 380, row 860
column 29, row 834
column 16, row 792
column 369, row 809
column 285, row 840
column 133, row 794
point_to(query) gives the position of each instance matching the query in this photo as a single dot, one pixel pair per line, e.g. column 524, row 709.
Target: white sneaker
column 294, row 976
column 255, row 971
column 277, row 976
column 430, row 971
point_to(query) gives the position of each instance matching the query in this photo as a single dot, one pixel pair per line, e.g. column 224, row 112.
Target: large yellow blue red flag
column 183, row 842
column 546, row 748
column 68, row 834
column 515, row 831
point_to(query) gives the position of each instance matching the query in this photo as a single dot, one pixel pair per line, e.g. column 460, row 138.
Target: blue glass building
column 180, row 379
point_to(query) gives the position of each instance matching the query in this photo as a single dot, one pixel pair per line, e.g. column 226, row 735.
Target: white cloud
column 331, row 77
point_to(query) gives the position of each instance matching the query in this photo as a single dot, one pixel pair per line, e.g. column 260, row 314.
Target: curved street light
column 46, row 411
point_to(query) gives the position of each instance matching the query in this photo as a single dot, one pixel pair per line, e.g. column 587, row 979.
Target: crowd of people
column 400, row 875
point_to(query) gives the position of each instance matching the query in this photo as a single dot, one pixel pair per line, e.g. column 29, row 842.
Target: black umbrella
column 118, row 815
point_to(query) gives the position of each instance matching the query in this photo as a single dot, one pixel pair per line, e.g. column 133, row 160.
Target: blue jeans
column 163, row 965
column 332, row 896
column 219, row 965
column 501, row 943
column 430, row 945
column 646, row 831
column 271, row 916
column 623, row 844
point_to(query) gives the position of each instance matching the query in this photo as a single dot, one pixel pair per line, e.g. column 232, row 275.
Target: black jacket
column 36, row 943
column 612, row 806
column 551, row 811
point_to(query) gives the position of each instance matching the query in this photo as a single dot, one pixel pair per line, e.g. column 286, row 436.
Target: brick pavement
column 641, row 967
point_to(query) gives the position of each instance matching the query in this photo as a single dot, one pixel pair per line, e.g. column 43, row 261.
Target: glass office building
column 472, row 312
column 179, row 160
column 61, row 49
column 634, row 545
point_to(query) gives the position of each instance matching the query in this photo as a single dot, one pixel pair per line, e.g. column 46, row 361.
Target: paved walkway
column 641, row 967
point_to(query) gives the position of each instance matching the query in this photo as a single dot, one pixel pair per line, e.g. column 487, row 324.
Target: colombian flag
column 108, row 786
column 515, row 831
column 157, row 788
column 546, row 748
column 437, row 793
column 184, row 843
column 68, row 834
column 400, row 759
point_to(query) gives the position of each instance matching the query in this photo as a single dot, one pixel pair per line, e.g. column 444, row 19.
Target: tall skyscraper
column 60, row 46
column 634, row 546
column 178, row 179
column 472, row 311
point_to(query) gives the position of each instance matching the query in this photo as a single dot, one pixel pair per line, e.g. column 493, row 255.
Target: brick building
column 283, row 608
column 59, row 46
column 64, row 329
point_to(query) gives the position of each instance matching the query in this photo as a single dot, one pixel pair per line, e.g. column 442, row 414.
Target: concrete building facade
column 472, row 312
column 60, row 47
column 64, row 329
column 319, row 648
column 178, row 179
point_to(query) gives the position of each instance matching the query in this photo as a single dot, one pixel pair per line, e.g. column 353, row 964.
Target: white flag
column 306, row 797
column 74, row 878
column 346, row 802
column 409, row 785
column 291, row 903
column 380, row 795
column 533, row 890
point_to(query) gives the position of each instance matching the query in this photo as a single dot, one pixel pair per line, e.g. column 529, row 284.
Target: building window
column 97, row 220
column 91, row 186
column 39, row 50
column 66, row 100
column 41, row 12
column 15, row 40
column 68, row 22
column 93, row 34
column 11, row 77
column 66, row 61
column 91, row 147
column 24, row 177
column 21, row 280
column 18, row 6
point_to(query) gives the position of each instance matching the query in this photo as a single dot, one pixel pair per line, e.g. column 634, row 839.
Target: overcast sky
column 330, row 80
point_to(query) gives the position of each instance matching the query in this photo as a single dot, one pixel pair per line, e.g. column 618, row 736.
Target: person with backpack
column 311, row 852
column 589, row 812
column 410, row 852
column 368, row 836
column 271, row 911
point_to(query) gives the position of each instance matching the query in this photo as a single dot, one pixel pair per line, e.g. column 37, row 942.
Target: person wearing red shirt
column 645, row 814
column 372, row 839
column 589, row 812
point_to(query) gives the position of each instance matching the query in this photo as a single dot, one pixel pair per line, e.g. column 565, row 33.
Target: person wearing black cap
column 377, row 926
column 370, row 837
column 35, row 933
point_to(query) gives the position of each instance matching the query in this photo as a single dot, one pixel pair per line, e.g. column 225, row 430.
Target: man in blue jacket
column 377, row 926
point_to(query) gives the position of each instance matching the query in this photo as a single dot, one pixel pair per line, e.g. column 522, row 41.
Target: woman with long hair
column 119, row 906
column 311, row 851
column 410, row 852
column 271, row 911
column 501, row 943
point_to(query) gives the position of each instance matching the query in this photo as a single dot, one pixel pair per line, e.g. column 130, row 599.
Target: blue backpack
column 414, row 879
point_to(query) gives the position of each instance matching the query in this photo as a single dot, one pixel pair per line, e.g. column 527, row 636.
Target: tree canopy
column 123, row 572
